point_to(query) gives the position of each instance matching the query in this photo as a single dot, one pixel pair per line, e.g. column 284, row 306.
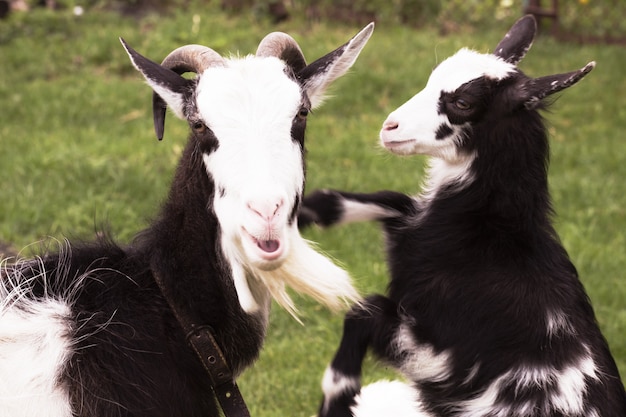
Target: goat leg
column 372, row 323
column 331, row 207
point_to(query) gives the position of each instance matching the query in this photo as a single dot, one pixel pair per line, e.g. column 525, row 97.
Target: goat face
column 249, row 116
column 256, row 113
column 466, row 89
column 434, row 122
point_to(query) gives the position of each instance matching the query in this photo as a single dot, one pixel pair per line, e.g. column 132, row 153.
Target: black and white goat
column 485, row 315
column 87, row 331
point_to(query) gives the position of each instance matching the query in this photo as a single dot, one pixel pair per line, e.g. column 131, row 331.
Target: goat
column 86, row 331
column 485, row 315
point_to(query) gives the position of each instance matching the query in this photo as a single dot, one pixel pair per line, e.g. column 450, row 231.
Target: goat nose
column 267, row 209
column 390, row 125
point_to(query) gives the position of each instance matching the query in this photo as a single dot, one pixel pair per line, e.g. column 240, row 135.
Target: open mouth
column 268, row 249
column 269, row 246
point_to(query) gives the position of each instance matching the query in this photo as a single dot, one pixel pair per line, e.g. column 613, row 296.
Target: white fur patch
column 557, row 323
column 35, row 346
column 250, row 303
column 422, row 363
column 36, row 336
column 441, row 172
column 388, row 398
column 361, row 212
column 334, row 384
column 568, row 400
column 467, row 65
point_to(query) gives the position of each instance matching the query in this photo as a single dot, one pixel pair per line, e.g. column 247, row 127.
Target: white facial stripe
column 250, row 93
column 467, row 65
column 250, row 106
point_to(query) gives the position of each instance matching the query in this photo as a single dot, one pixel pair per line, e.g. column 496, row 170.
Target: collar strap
column 224, row 386
column 202, row 341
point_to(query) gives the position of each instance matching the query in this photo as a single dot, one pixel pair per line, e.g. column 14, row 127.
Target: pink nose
column 390, row 125
column 267, row 210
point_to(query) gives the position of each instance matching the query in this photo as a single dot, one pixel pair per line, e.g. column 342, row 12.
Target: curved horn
column 188, row 58
column 283, row 46
column 192, row 58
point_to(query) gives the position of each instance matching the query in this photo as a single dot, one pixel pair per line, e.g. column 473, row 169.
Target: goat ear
column 170, row 89
column 317, row 76
column 537, row 89
column 518, row 40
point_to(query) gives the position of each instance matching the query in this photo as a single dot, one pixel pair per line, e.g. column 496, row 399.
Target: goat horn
column 192, row 58
column 188, row 58
column 283, row 46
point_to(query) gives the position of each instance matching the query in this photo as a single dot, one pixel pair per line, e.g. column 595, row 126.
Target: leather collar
column 202, row 341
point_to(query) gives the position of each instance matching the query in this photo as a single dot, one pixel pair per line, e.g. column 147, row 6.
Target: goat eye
column 303, row 113
column 462, row 104
column 198, row 127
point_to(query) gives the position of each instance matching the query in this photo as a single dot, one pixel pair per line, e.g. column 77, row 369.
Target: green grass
column 77, row 150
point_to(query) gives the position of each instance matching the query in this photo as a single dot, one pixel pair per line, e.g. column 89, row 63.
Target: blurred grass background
column 77, row 149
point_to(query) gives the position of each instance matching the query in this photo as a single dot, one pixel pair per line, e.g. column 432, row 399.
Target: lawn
column 78, row 152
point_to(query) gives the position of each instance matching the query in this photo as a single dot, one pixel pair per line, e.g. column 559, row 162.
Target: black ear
column 317, row 76
column 168, row 86
column 535, row 90
column 518, row 40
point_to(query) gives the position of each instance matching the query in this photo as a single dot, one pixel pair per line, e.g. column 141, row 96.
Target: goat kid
column 485, row 315
column 86, row 331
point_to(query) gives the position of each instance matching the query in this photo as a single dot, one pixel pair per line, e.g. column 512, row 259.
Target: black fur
column 130, row 355
column 476, row 270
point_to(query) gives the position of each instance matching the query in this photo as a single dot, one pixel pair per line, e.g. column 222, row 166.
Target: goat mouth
column 268, row 249
column 398, row 146
column 269, row 246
